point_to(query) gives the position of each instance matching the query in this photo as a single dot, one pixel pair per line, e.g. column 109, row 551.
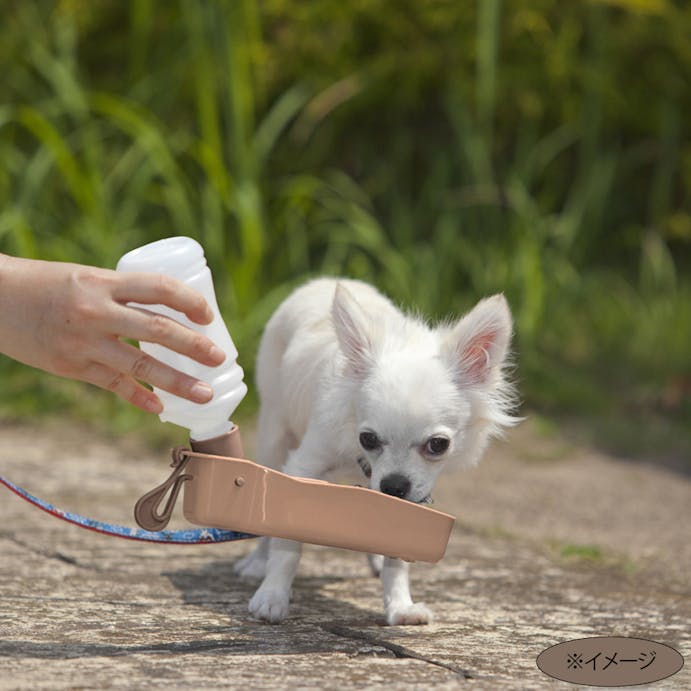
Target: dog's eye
column 436, row 446
column 369, row 441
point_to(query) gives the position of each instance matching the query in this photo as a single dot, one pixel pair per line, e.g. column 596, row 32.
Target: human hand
column 69, row 320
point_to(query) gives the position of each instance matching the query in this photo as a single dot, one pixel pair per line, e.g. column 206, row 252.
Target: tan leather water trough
column 223, row 490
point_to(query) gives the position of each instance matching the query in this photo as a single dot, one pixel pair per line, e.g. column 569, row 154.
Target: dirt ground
column 554, row 541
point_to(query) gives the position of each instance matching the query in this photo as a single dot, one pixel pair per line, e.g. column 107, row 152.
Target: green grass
column 444, row 153
column 589, row 553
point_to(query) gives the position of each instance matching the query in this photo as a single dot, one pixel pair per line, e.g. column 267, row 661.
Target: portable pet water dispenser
column 224, row 490
column 211, row 430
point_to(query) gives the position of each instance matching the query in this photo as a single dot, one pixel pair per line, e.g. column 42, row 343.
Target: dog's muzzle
column 396, row 485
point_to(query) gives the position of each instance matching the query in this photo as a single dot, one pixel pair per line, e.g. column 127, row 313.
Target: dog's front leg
column 399, row 607
column 272, row 599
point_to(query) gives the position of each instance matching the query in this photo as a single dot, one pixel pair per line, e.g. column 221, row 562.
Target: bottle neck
column 201, row 434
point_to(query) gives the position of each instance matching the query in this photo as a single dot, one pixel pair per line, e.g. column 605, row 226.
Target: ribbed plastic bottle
column 183, row 258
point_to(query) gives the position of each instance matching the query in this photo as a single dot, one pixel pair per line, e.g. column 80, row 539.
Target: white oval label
column 610, row 661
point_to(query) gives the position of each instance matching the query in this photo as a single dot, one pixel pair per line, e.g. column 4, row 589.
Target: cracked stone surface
column 80, row 610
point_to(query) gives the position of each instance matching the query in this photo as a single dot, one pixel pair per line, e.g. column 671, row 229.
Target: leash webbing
column 192, row 536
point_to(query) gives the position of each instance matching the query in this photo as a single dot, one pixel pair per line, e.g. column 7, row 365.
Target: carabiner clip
column 146, row 511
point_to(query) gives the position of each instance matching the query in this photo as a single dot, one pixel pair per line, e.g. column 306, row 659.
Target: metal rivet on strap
column 240, row 481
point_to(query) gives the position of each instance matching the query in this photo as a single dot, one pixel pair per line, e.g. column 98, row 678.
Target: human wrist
column 4, row 260
column 8, row 268
column 18, row 291
column 5, row 301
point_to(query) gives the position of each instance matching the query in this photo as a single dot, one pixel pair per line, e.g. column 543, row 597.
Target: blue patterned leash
column 192, row 536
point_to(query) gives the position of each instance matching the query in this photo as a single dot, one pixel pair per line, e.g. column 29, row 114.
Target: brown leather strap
column 146, row 510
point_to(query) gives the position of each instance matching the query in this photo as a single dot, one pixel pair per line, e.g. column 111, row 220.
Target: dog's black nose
column 396, row 485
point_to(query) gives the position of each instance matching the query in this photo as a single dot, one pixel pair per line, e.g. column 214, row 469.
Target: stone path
column 553, row 542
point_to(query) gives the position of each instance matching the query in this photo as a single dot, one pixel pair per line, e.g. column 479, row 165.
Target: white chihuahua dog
column 345, row 379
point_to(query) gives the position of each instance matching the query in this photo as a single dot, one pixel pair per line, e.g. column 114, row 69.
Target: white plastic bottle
column 183, row 258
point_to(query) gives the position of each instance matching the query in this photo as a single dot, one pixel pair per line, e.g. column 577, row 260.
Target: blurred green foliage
column 442, row 150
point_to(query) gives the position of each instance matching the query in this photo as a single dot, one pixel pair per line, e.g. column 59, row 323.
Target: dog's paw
column 409, row 615
column 376, row 563
column 251, row 567
column 270, row 604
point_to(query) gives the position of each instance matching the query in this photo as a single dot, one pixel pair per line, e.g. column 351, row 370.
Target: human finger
column 125, row 358
column 141, row 325
column 159, row 289
column 124, row 386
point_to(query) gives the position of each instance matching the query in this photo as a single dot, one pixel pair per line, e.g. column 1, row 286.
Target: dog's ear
column 479, row 342
column 354, row 331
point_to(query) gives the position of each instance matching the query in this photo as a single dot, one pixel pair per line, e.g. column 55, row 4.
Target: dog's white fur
column 338, row 359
